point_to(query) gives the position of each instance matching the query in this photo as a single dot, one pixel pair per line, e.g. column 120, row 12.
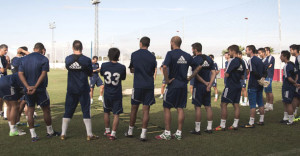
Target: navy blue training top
column 236, row 69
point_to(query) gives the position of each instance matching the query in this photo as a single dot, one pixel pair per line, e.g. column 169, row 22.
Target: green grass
column 272, row 138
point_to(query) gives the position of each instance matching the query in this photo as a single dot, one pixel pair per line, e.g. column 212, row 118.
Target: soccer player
column 295, row 52
column 231, row 94
column 268, row 90
column 143, row 64
column 175, row 96
column 96, row 80
column 113, row 73
column 255, row 90
column 11, row 91
column 3, row 68
column 79, row 68
column 202, row 88
column 214, row 85
column 33, row 74
column 227, row 58
column 244, row 82
column 289, row 86
column 163, row 86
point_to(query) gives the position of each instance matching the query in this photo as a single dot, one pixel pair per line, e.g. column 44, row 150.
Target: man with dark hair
column 296, row 101
column 3, row 68
column 214, row 85
column 79, row 68
column 96, row 80
column 231, row 94
column 255, row 89
column 33, row 74
column 244, row 82
column 113, row 73
column 270, row 62
column 202, row 88
column 163, row 86
column 227, row 58
column 143, row 64
column 15, row 62
column 289, row 86
column 175, row 96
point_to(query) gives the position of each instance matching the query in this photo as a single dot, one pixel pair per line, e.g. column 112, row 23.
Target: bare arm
column 166, row 75
column 23, row 79
column 41, row 79
column 199, row 78
column 155, row 73
column 196, row 71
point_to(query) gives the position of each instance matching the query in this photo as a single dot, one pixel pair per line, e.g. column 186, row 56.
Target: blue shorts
column 9, row 93
column 269, row 88
column 175, row 98
column 95, row 81
column 214, row 83
column 231, row 95
column 40, row 97
column 72, row 101
column 192, row 82
column 255, row 97
column 112, row 105
column 144, row 96
column 288, row 95
column 201, row 96
column 243, row 83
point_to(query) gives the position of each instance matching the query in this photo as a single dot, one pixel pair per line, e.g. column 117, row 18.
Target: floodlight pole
column 52, row 26
column 96, row 40
column 280, row 44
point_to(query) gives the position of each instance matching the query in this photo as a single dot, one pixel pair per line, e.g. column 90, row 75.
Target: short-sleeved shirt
column 144, row 64
column 255, row 65
column 245, row 72
column 289, row 70
column 15, row 81
column 236, row 69
column 4, row 64
column 297, row 65
column 178, row 63
column 79, row 68
column 15, row 63
column 113, row 74
column 207, row 66
column 33, row 65
column 95, row 66
column 271, row 61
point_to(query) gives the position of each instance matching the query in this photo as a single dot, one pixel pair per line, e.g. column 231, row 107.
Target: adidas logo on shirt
column 240, row 68
column 181, row 60
column 205, row 64
column 75, row 65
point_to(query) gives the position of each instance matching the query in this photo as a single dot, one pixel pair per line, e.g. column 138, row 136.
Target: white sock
column 223, row 123
column 285, row 116
column 167, row 132
column 178, row 132
column 261, row 118
column 13, row 128
column 32, row 132
column 64, row 127
column 271, row 106
column 291, row 118
column 9, row 123
column 267, row 105
column 113, row 133
column 245, row 99
column 296, row 110
column 216, row 96
column 209, row 125
column 197, row 126
column 144, row 132
column 107, row 130
column 235, row 123
column 241, row 99
column 49, row 129
column 5, row 112
column 88, row 126
column 130, row 130
column 251, row 121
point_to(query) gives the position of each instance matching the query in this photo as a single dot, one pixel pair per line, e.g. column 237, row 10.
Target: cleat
column 191, row 98
column 232, row 128
column 178, row 137
column 91, row 101
column 195, row 132
column 21, row 132
column 35, row 139
column 21, row 124
column 143, row 139
column 100, row 98
column 283, row 121
column 107, row 134
column 248, row 126
column 54, row 134
column 289, row 123
column 163, row 137
column 260, row 123
column 93, row 137
column 127, row 135
column 208, row 131
column 1, row 114
column 16, row 133
column 62, row 137
column 219, row 128
column 4, row 118
column 112, row 138
column 36, row 125
column 161, row 96
column 296, row 119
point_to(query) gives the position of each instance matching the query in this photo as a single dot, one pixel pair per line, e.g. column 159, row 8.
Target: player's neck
column 114, row 61
column 145, row 48
column 77, row 52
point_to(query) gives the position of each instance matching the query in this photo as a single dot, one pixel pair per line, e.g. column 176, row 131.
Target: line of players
column 31, row 81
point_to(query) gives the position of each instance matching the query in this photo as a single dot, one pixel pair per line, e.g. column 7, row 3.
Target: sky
column 216, row 24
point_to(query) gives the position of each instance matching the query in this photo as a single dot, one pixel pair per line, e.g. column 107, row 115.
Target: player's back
column 207, row 66
column 15, row 63
column 236, row 69
column 178, row 62
column 32, row 65
column 144, row 64
column 113, row 74
column 79, row 68
column 289, row 70
column 255, row 65
column 95, row 67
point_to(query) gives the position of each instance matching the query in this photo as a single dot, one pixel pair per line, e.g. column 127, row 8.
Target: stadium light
column 96, row 41
column 52, row 26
